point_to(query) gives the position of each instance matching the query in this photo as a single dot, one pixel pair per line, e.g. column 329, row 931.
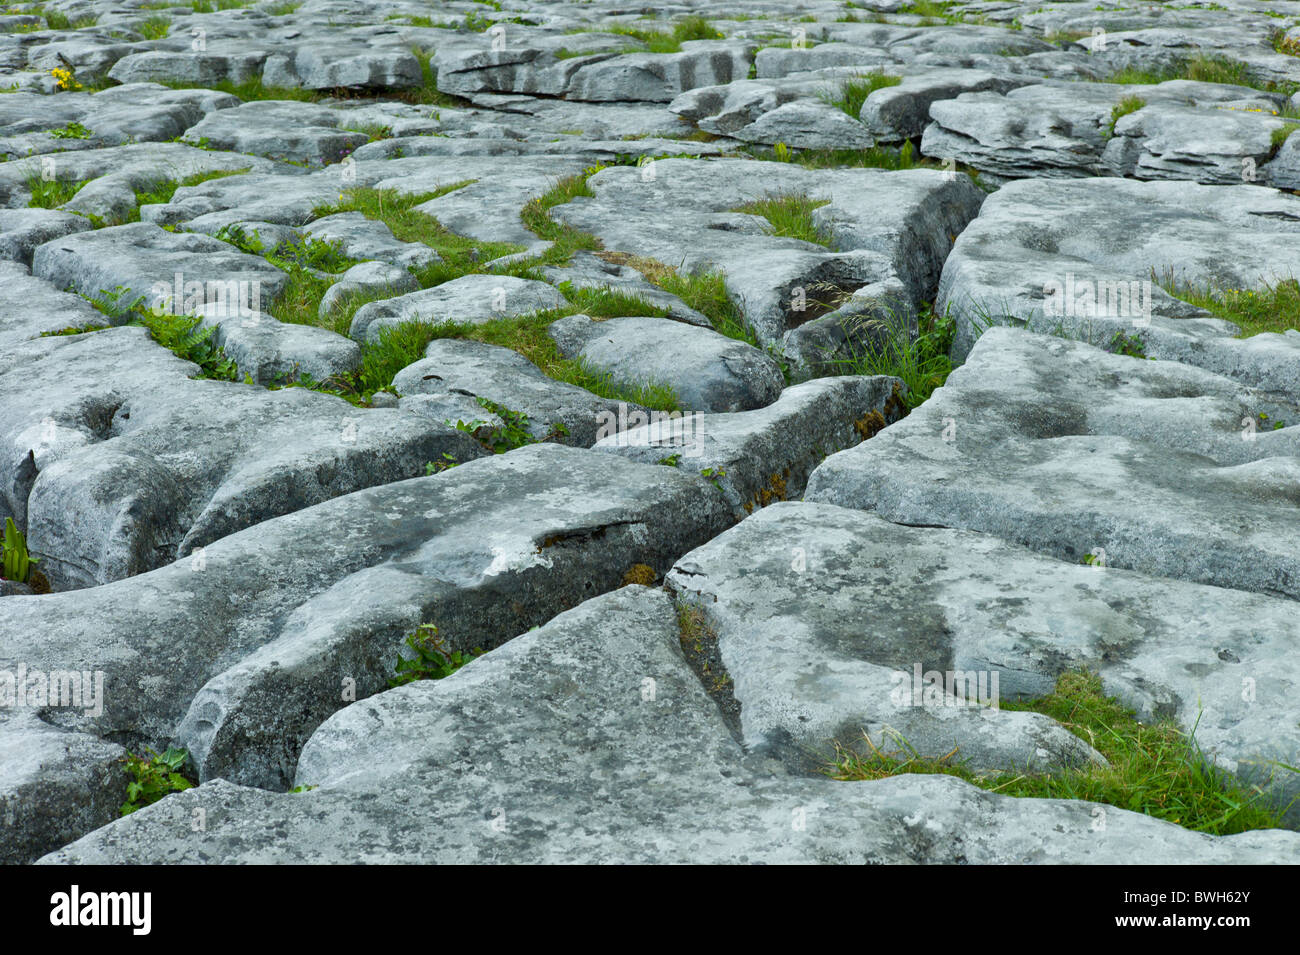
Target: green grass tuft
column 52, row 193
column 853, row 92
column 1154, row 769
column 1128, row 104
column 155, row 27
column 790, row 215
column 922, row 363
column 1273, row 308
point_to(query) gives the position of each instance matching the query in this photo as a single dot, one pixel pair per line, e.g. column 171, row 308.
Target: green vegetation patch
column 1153, row 768
column 1273, row 308
column 921, row 362
column 853, row 92
column 790, row 215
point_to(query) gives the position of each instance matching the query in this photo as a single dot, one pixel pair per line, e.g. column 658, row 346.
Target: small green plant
column 1130, row 345
column 183, row 335
column 671, row 461
column 437, row 467
column 431, row 660
column 16, row 563
column 73, row 130
column 510, row 434
column 1264, row 423
column 154, row 778
column 712, row 475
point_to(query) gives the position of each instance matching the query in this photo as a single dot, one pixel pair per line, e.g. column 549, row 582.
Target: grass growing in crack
column 607, row 302
column 853, row 92
column 251, row 89
column 936, row 10
column 704, row 291
column 460, row 255
column 790, row 215
column 536, row 217
column 52, row 193
column 875, row 157
column 1128, row 104
column 1274, row 308
column 657, row 41
column 60, row 21
column 396, row 347
column 1154, row 769
column 427, row 93
column 922, row 362
column 1204, row 68
column 155, row 27
column 161, row 191
column 179, row 334
column 1282, row 134
column 527, row 336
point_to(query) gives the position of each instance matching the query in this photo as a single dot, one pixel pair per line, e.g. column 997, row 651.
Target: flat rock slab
column 707, row 371
column 22, row 230
column 131, row 113
column 239, row 655
column 1226, row 146
column 762, row 456
column 1039, row 249
column 558, row 748
column 893, row 114
column 473, row 299
column 881, row 225
column 453, row 370
column 57, row 784
column 142, row 260
column 600, row 77
column 30, row 307
column 824, row 615
column 116, row 462
column 1070, row 450
column 1062, row 129
column 283, row 130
